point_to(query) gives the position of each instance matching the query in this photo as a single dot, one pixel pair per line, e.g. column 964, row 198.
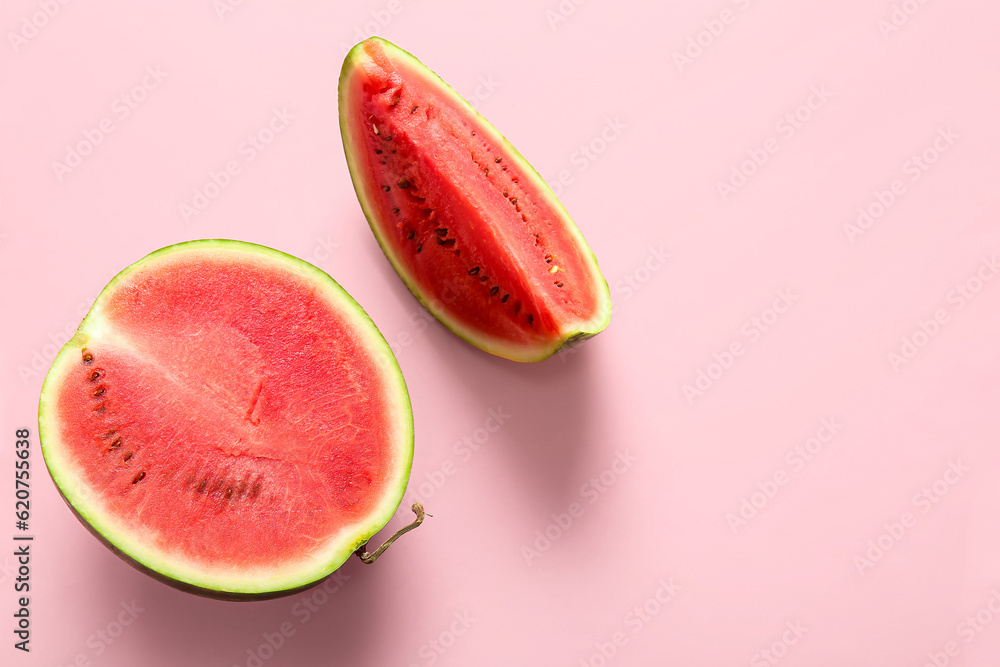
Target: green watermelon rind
column 252, row 585
column 496, row 346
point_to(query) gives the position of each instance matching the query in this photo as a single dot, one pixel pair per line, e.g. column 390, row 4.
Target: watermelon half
column 473, row 231
column 228, row 419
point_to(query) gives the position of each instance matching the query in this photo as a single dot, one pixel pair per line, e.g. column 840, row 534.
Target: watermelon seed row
column 227, row 487
column 441, row 233
column 88, row 358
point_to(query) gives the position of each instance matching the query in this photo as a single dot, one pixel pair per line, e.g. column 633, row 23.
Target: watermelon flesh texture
column 228, row 417
column 470, row 227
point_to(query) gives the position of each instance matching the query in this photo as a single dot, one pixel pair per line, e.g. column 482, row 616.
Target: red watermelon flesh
column 470, row 227
column 228, row 417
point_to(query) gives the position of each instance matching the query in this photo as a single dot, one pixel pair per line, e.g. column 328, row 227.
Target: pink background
column 837, row 559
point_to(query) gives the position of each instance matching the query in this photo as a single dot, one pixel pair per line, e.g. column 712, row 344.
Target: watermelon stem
column 370, row 558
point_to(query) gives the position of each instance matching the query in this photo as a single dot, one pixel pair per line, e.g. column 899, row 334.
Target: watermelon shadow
column 552, row 430
column 330, row 621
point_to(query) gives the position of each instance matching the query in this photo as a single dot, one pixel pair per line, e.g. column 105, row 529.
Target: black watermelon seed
column 493, row 292
column 229, row 492
column 441, row 231
column 95, row 375
column 116, row 444
column 386, row 188
column 531, row 319
column 127, row 456
column 559, row 284
column 404, row 184
column 420, row 247
column 513, row 200
column 410, row 234
column 378, row 150
column 517, row 307
column 87, row 357
column 388, row 138
column 100, row 390
column 413, row 109
column 395, row 211
column 504, row 299
column 138, row 478
column 474, row 270
column 483, row 279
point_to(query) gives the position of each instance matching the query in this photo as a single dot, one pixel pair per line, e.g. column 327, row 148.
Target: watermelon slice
column 228, row 419
column 473, row 231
